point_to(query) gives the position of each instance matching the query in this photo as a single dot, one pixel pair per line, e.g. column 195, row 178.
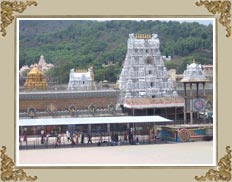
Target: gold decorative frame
column 7, row 165
column 7, row 169
column 221, row 7
column 224, row 167
column 7, row 9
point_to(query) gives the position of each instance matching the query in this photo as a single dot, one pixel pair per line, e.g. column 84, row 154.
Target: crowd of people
column 74, row 138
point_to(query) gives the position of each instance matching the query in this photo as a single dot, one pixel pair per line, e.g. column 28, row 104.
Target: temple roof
column 143, row 103
column 80, row 75
column 35, row 71
column 35, row 79
column 42, row 61
column 194, row 73
column 92, row 120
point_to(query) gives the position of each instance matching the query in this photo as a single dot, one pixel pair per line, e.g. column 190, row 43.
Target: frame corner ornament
column 224, row 169
column 221, row 7
column 7, row 169
column 7, row 9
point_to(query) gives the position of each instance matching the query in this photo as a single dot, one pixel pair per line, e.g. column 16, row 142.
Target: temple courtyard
column 169, row 154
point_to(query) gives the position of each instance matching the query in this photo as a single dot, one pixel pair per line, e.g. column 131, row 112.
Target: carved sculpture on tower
column 144, row 73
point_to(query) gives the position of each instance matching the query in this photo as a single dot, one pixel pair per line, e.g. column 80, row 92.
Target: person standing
column 58, row 140
column 72, row 140
column 68, row 136
column 89, row 139
column 82, row 138
column 130, row 138
column 42, row 136
column 47, row 138
column 77, row 138
column 112, row 139
column 125, row 137
column 116, row 138
column 25, row 138
column 100, row 140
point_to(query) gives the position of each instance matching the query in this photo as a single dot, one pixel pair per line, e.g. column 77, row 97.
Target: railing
column 35, row 142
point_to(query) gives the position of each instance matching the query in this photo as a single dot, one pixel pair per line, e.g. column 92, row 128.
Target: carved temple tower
column 144, row 74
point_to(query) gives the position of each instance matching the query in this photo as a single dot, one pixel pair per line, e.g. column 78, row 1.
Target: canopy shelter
column 92, row 120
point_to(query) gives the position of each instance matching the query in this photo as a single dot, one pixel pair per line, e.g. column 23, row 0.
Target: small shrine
column 81, row 79
column 35, row 80
column 194, row 102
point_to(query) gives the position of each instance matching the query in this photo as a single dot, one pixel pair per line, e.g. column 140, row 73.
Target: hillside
column 79, row 44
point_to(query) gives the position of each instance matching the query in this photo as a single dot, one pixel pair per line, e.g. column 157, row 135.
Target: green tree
column 60, row 71
column 80, row 44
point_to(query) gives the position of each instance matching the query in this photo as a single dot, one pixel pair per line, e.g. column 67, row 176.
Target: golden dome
column 35, row 71
column 35, row 80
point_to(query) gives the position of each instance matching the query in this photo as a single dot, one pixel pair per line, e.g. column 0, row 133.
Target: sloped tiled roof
column 140, row 103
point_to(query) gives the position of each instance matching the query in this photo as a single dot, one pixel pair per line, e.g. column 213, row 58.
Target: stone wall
column 62, row 100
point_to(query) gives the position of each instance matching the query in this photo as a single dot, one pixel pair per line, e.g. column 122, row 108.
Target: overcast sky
column 204, row 21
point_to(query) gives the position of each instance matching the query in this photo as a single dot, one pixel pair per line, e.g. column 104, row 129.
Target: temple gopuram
column 144, row 73
column 144, row 83
column 35, row 80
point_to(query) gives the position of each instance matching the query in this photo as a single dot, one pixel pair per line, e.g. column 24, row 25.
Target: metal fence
column 77, row 140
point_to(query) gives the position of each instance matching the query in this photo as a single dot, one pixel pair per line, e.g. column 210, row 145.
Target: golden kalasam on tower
column 35, row 80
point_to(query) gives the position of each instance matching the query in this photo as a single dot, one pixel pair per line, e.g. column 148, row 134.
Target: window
column 149, row 72
column 149, row 60
column 152, row 84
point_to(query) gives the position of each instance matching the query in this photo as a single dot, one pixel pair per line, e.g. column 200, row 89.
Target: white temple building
column 81, row 80
column 144, row 74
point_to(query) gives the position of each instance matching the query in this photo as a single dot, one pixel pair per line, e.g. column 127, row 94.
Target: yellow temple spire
column 35, row 80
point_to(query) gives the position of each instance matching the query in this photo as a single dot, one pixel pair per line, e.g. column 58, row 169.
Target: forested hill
column 79, row 44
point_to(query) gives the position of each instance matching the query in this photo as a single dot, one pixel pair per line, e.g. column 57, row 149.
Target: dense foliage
column 79, row 44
